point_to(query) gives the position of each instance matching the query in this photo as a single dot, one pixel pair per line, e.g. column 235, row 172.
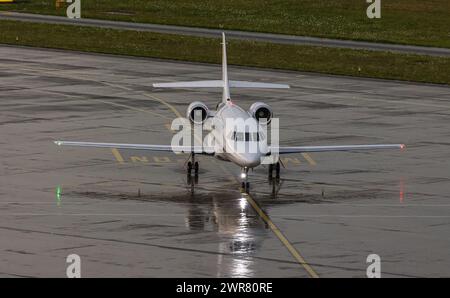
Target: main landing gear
column 192, row 165
column 275, row 182
column 274, row 167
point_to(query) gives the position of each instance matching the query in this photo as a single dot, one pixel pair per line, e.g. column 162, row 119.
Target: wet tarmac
column 136, row 214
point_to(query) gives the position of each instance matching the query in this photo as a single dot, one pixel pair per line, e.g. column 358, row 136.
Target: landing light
column 402, row 146
column 243, row 175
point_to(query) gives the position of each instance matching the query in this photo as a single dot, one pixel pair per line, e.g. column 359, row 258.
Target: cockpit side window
column 238, row 136
column 260, row 136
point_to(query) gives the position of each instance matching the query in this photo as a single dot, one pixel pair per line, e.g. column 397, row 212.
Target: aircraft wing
column 165, row 148
column 304, row 149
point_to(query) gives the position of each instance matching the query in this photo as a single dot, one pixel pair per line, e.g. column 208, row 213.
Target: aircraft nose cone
column 251, row 160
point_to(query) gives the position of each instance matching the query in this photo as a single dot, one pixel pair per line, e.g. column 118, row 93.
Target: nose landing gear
column 192, row 165
column 245, row 184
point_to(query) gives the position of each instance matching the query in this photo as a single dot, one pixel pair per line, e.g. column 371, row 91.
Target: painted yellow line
column 175, row 111
column 309, row 159
column 294, row 252
column 169, row 127
column 99, row 100
column 115, row 85
column 131, row 108
column 117, row 155
column 171, row 107
column 152, row 97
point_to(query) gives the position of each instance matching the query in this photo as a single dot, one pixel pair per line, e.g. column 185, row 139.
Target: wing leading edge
column 204, row 150
column 164, row 148
column 304, row 149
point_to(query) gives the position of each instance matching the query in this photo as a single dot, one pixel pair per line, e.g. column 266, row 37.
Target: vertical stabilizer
column 226, row 84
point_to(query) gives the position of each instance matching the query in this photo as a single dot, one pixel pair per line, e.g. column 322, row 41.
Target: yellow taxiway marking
column 309, row 159
column 294, row 252
column 154, row 98
column 169, row 127
column 171, row 107
column 117, row 155
column 130, row 107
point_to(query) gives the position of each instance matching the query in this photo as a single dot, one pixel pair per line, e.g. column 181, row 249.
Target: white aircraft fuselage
column 244, row 158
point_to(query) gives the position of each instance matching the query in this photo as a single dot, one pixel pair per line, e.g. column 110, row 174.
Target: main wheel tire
column 247, row 186
column 270, row 170
column 277, row 169
column 189, row 167
column 188, row 179
column 196, row 168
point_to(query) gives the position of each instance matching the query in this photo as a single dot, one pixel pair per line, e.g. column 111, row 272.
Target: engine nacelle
column 201, row 109
column 260, row 110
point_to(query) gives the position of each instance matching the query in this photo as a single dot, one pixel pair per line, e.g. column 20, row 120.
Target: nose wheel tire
column 245, row 186
column 196, row 167
column 192, row 165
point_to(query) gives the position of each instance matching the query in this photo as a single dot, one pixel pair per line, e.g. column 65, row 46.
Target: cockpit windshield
column 247, row 136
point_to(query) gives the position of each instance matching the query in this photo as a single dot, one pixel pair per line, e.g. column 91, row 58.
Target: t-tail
column 225, row 84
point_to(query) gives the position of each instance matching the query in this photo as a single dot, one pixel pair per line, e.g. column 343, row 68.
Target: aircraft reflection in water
column 240, row 230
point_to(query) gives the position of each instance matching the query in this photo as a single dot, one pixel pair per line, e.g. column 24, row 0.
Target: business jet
column 227, row 109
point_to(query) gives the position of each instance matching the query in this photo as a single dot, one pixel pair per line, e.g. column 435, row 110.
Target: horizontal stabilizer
column 193, row 84
column 245, row 84
column 220, row 84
